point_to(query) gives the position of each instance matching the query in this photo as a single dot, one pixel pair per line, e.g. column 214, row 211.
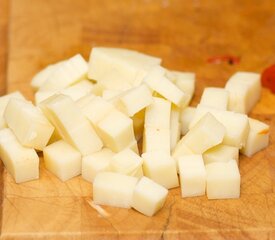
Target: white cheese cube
column 180, row 150
column 149, row 197
column 71, row 124
column 138, row 123
column 40, row 96
column 221, row 153
column 157, row 81
column 4, row 100
column 135, row 99
column 223, row 180
column 116, row 130
column 236, row 125
column 127, row 162
column 186, row 117
column 39, row 78
column 34, row 129
column 83, row 101
column 157, row 114
column 108, row 94
column 156, row 140
column 114, row 189
column 215, row 98
column 115, row 67
column 207, row 133
column 185, row 81
column 78, row 90
column 244, row 91
column 21, row 162
column 133, row 146
column 192, row 175
column 98, row 89
column 161, row 168
column 95, row 163
column 175, row 127
column 96, row 109
column 66, row 74
column 258, row 137
column 62, row 160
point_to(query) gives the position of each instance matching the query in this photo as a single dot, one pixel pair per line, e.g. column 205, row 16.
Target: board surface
column 184, row 34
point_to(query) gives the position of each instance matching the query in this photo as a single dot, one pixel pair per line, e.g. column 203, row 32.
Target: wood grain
column 184, row 34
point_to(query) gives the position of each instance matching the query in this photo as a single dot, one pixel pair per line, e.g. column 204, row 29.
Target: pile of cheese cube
column 90, row 118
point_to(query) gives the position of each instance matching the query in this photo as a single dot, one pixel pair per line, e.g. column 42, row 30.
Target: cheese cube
column 108, row 94
column 185, row 81
column 156, row 140
column 161, row 168
column 186, row 117
column 40, row 96
column 192, row 175
column 135, row 99
column 133, row 146
column 71, row 124
column 138, row 123
column 62, row 160
column 157, row 81
column 96, row 109
column 114, row 189
column 127, row 162
column 66, row 74
column 96, row 162
column 39, row 78
column 258, row 137
column 78, row 90
column 215, row 98
column 83, row 101
column 115, row 67
column 236, row 125
column 223, row 180
column 175, row 129
column 207, row 133
column 21, row 162
column 116, row 130
column 4, row 100
column 244, row 91
column 157, row 114
column 149, row 197
column 34, row 129
column 221, row 153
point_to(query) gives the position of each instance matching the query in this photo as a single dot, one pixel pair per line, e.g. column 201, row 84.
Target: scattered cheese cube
column 244, row 91
column 114, row 189
column 192, row 175
column 148, row 197
column 62, row 160
column 157, row 81
column 156, row 140
column 4, row 100
column 186, row 117
column 185, row 81
column 135, row 99
column 207, row 133
column 157, row 114
column 223, row 180
column 39, row 78
column 127, row 162
column 221, row 153
column 236, row 125
column 175, row 127
column 258, row 137
column 34, row 129
column 215, row 98
column 161, row 168
column 21, row 162
column 116, row 130
column 67, row 73
column 118, row 68
column 96, row 162
column 71, row 124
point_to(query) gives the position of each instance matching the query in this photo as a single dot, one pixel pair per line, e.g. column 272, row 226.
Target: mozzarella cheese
column 215, row 97
column 186, row 117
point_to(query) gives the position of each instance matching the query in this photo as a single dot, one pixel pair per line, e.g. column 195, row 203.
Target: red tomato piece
column 268, row 78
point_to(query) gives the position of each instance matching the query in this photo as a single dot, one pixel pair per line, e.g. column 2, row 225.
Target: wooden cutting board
column 184, row 33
